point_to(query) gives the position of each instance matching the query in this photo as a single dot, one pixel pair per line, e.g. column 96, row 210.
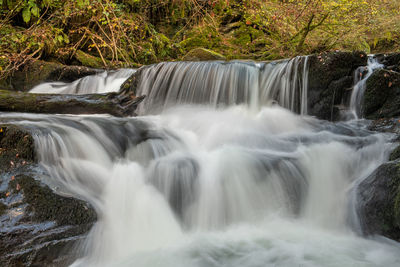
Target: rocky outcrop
column 38, row 227
column 330, row 76
column 36, row 72
column 379, row 201
column 382, row 95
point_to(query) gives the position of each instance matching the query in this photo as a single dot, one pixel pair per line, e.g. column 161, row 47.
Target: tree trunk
column 113, row 103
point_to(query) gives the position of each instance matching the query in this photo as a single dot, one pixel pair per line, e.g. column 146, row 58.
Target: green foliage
column 127, row 32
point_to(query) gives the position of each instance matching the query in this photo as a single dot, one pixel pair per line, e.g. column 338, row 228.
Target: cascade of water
column 360, row 79
column 197, row 186
column 201, row 185
column 104, row 82
column 225, row 83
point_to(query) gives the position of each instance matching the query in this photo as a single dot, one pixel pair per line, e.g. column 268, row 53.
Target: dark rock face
column 382, row 95
column 379, row 201
column 37, row 226
column 391, row 61
column 330, row 76
column 39, row 71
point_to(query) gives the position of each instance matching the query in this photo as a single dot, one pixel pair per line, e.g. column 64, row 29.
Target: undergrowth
column 133, row 32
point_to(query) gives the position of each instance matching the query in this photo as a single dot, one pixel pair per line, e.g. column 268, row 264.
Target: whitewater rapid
column 199, row 186
column 218, row 171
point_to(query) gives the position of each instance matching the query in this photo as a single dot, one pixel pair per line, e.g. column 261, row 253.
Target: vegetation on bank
column 105, row 33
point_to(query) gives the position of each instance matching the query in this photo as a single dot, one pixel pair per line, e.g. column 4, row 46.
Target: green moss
column 48, row 206
column 395, row 154
column 202, row 54
column 88, row 60
column 3, row 208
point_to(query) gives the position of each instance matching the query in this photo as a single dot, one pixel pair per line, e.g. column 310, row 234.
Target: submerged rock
column 379, row 201
column 38, row 227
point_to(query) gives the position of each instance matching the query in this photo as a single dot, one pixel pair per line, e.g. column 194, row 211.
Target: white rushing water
column 225, row 83
column 198, row 186
column 104, row 82
column 242, row 184
column 361, row 76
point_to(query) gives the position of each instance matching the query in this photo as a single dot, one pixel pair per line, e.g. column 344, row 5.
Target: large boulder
column 330, row 76
column 38, row 227
column 382, row 95
column 379, row 201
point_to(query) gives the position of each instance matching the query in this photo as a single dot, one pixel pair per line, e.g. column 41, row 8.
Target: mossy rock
column 38, row 71
column 202, row 54
column 3, row 208
column 48, row 206
column 379, row 201
column 88, row 60
column 330, row 74
column 16, row 147
column 382, row 95
column 395, row 154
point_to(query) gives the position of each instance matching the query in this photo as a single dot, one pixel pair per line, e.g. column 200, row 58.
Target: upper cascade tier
column 104, row 82
column 225, row 83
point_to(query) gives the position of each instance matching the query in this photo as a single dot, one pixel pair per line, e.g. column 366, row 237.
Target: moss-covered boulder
column 382, row 95
column 16, row 147
column 379, row 201
column 36, row 72
column 88, row 60
column 202, row 54
column 330, row 77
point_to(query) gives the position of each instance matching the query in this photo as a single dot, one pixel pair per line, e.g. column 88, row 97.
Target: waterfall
column 361, row 76
column 198, row 186
column 213, row 174
column 104, row 82
column 225, row 83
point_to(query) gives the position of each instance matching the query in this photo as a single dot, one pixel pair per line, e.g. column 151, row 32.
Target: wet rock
column 330, row 75
column 391, row 61
column 36, row 72
column 202, row 54
column 382, row 95
column 395, row 154
column 379, row 201
column 38, row 227
column 16, row 147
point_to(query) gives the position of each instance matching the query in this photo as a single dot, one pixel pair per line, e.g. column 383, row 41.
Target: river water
column 217, row 179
